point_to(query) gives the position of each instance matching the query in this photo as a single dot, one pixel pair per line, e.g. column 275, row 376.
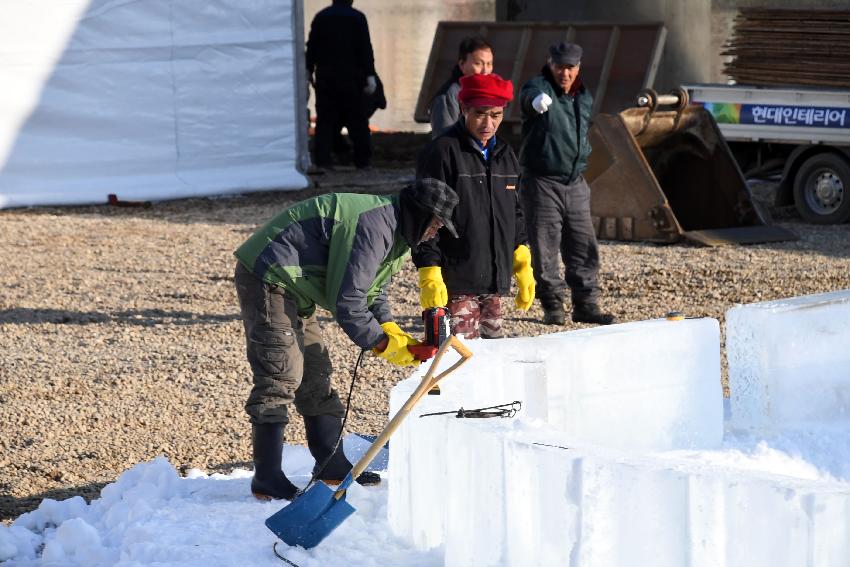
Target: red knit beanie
column 485, row 90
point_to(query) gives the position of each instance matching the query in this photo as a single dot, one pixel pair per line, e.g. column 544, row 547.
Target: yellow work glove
column 432, row 289
column 396, row 351
column 524, row 278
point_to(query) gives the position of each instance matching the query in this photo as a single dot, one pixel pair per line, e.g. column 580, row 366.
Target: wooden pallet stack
column 779, row 47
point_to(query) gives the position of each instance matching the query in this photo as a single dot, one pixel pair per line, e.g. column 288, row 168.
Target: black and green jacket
column 555, row 143
column 337, row 251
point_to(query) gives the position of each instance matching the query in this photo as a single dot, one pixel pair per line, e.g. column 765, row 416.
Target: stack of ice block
column 648, row 386
column 789, row 362
column 511, row 501
column 605, row 464
column 644, row 386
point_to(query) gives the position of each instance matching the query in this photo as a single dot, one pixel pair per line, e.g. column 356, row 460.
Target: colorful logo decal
column 778, row 115
column 724, row 112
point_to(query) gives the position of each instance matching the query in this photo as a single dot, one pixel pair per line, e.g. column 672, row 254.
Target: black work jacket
column 339, row 42
column 488, row 218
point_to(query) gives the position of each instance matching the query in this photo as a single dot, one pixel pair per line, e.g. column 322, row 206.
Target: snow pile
column 152, row 516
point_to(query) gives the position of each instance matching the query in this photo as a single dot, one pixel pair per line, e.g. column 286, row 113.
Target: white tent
column 153, row 99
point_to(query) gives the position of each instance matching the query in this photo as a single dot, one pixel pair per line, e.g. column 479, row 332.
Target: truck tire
column 822, row 189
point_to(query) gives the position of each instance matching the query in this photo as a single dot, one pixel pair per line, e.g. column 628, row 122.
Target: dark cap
column 565, row 53
column 435, row 196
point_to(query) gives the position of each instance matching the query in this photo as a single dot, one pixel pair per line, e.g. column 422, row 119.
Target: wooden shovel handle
column 427, row 383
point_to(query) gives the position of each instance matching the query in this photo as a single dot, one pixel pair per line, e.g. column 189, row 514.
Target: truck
column 800, row 134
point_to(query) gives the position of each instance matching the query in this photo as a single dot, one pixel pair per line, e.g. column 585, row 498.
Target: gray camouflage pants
column 557, row 217
column 476, row 316
column 287, row 356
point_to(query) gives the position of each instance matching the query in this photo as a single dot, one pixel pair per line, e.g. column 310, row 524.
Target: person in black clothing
column 371, row 104
column 490, row 244
column 339, row 52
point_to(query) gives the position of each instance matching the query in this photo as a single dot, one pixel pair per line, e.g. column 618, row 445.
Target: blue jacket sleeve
column 372, row 242
column 380, row 308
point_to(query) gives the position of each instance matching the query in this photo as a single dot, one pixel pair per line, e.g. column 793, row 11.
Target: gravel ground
column 120, row 339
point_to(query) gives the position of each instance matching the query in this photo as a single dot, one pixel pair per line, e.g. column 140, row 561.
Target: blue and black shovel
column 313, row 515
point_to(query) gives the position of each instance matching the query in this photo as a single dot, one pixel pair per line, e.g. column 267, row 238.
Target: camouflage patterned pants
column 476, row 316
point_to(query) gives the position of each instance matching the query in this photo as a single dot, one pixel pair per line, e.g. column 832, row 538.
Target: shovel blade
column 311, row 517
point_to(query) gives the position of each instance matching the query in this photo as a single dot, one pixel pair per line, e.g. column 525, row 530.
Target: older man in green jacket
column 555, row 118
column 338, row 252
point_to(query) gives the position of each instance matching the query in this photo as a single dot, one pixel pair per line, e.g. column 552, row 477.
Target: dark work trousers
column 339, row 102
column 557, row 216
column 286, row 353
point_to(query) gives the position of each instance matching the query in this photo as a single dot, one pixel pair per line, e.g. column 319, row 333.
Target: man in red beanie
column 470, row 272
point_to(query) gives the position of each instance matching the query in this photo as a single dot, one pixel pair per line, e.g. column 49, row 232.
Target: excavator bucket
column 662, row 175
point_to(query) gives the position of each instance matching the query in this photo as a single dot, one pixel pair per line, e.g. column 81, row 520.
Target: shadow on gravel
column 140, row 317
column 223, row 468
column 823, row 239
column 11, row 507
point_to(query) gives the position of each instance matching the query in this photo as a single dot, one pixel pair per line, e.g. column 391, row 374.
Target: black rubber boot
column 554, row 315
column 590, row 313
column 269, row 482
column 322, row 433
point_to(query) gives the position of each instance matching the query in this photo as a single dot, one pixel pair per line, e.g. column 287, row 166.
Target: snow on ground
column 152, row 516
column 821, row 454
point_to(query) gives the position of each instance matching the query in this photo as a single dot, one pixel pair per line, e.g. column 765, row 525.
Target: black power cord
column 281, row 557
column 321, row 468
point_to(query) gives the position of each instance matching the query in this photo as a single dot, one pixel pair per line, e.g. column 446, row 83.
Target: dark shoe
column 269, row 482
column 590, row 313
column 366, row 478
column 554, row 316
column 322, row 433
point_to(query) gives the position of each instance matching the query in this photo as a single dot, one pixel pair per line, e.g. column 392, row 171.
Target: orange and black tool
column 437, row 331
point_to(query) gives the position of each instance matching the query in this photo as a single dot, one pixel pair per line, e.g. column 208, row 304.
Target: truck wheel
column 822, row 189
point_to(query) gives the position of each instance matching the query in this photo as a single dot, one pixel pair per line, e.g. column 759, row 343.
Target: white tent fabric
column 148, row 99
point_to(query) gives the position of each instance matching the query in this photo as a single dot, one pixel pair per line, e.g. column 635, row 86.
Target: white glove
column 371, row 85
column 541, row 102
